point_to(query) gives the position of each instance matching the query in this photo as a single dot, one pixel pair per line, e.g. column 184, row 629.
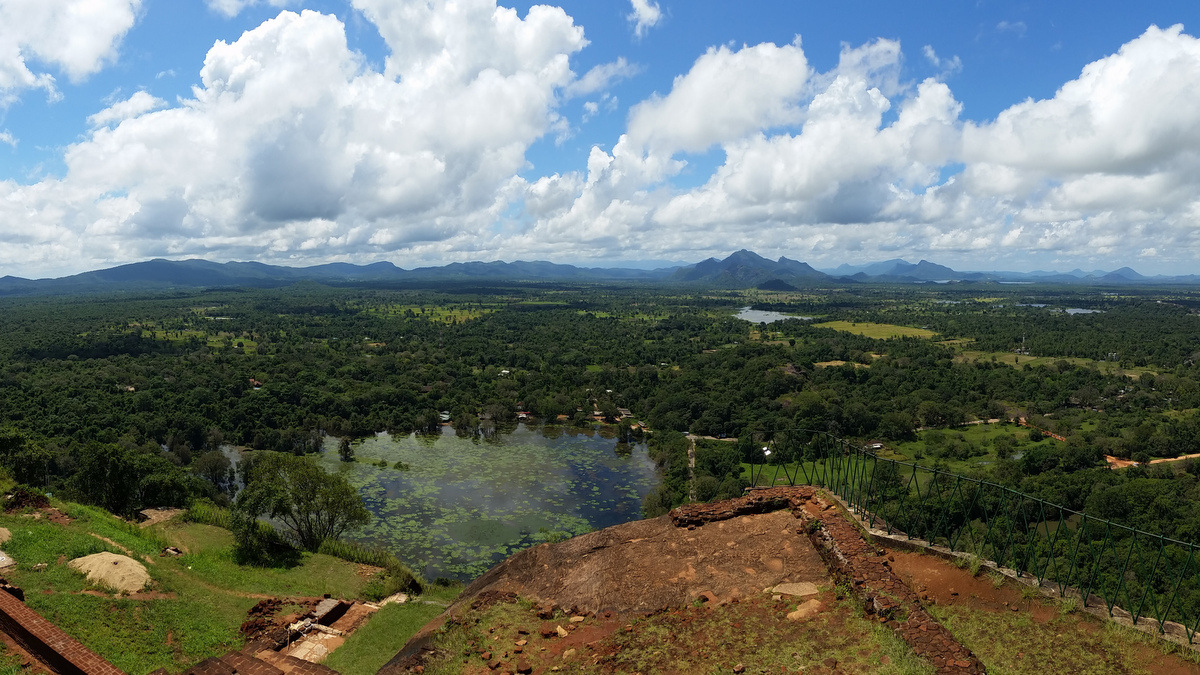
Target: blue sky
column 985, row 135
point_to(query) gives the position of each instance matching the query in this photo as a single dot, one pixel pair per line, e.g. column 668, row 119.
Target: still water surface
column 761, row 316
column 465, row 504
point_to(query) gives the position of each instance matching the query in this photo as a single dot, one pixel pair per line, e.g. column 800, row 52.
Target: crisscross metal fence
column 1132, row 573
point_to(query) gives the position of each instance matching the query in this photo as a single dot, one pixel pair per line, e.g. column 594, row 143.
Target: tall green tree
column 312, row 505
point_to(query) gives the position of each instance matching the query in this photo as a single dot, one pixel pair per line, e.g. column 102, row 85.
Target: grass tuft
column 206, row 513
column 401, row 577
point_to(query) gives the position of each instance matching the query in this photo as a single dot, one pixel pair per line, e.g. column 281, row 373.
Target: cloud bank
column 77, row 37
column 293, row 149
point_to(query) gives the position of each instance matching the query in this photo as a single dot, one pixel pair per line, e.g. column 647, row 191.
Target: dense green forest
column 124, row 401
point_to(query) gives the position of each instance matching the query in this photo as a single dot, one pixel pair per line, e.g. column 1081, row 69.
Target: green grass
column 10, row 663
column 879, row 331
column 218, row 340
column 142, row 541
column 442, row 594
column 1067, row 643
column 1023, row 361
column 139, row 636
column 316, row 575
column 980, row 436
column 197, row 537
column 447, row 314
column 203, row 511
column 136, row 635
column 38, row 542
column 376, row 643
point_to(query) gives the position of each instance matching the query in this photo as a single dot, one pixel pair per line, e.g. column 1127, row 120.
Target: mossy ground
column 698, row 639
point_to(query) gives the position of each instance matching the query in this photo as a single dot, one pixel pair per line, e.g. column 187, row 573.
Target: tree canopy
column 309, row 503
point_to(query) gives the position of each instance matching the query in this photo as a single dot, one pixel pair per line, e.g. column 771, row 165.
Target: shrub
column 24, row 497
column 207, row 513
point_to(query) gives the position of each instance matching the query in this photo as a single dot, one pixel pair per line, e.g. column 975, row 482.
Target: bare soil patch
column 1039, row 636
column 937, row 582
column 156, row 516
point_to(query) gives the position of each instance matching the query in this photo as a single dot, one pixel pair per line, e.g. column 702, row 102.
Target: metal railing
column 1130, row 572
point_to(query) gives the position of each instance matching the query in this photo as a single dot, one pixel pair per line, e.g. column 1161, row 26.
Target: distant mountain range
column 743, row 269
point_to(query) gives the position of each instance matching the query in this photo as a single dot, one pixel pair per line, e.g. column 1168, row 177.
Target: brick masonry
column 853, row 561
column 59, row 651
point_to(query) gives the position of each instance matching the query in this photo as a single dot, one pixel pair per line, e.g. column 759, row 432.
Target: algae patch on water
column 461, row 505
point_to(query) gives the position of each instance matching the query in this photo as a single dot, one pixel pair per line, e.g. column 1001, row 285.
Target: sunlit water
column 763, row 316
column 465, row 504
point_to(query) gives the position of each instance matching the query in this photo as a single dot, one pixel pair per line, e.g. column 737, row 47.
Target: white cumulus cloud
column 602, row 77
column 78, row 37
column 141, row 102
column 725, row 96
column 646, row 15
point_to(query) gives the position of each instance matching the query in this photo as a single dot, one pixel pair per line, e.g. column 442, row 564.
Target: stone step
column 292, row 665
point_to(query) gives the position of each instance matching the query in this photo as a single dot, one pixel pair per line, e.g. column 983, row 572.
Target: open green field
column 439, row 313
column 965, row 448
column 879, row 331
column 213, row 340
column 1024, row 361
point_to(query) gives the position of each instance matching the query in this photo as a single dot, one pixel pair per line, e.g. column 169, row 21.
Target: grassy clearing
column 965, row 448
column 139, row 635
column 1067, row 643
column 879, row 331
column 217, row 340
column 375, row 644
column 316, row 575
column 834, row 364
column 447, row 314
column 197, row 537
column 1024, row 361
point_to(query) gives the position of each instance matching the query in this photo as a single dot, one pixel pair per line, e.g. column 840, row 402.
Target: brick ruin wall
column 48, row 643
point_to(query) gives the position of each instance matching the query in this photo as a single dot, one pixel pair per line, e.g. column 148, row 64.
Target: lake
column 760, row 316
column 465, row 504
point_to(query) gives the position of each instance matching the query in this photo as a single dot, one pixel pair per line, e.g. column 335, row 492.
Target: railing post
column 1148, row 582
column 1167, row 610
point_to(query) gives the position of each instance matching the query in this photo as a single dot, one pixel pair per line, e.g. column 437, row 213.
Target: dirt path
column 124, row 550
column 1117, row 463
column 691, row 468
